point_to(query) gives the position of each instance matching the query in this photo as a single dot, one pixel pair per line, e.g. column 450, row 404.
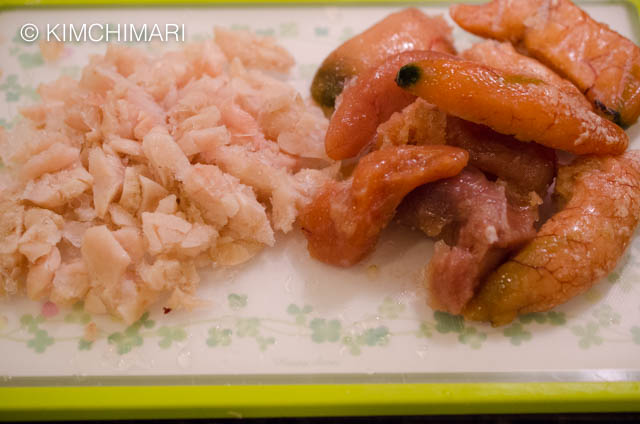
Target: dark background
column 450, row 419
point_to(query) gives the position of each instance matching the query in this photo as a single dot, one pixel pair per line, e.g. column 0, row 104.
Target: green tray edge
column 92, row 3
column 251, row 401
column 155, row 402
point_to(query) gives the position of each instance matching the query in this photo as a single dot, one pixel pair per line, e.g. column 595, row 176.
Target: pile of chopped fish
column 119, row 186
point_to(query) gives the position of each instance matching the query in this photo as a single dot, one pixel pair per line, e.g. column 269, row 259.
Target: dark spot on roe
column 328, row 83
column 408, row 75
column 611, row 114
column 166, row 310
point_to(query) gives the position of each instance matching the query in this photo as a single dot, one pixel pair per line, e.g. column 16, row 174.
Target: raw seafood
column 343, row 221
column 572, row 250
column 403, row 31
column 525, row 167
column 119, row 186
column 366, row 103
column 253, row 52
column 601, row 62
column 504, row 57
column 418, row 123
column 526, row 107
column 488, row 102
column 478, row 223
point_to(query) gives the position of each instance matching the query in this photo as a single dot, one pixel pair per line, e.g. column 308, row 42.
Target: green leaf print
column 321, row 31
column 125, row 341
column 13, row 91
column 378, row 336
column 30, row 60
column 219, row 337
column 538, row 317
column 557, row 318
column 130, row 338
column 40, row 341
column 553, row 318
column 517, row 334
column 84, row 344
column 11, row 88
column 31, row 322
column 250, row 327
column 588, row 335
column 77, row 314
column 325, row 331
column 606, row 316
column 145, row 322
column 447, row 323
column 300, row 313
column 264, row 342
column 472, row 337
column 237, row 301
column 168, row 335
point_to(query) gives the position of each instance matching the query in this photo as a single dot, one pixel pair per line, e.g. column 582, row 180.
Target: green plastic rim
column 183, row 3
column 250, row 401
column 91, row 3
column 154, row 402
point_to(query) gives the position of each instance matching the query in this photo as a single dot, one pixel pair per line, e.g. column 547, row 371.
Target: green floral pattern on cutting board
column 300, row 322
